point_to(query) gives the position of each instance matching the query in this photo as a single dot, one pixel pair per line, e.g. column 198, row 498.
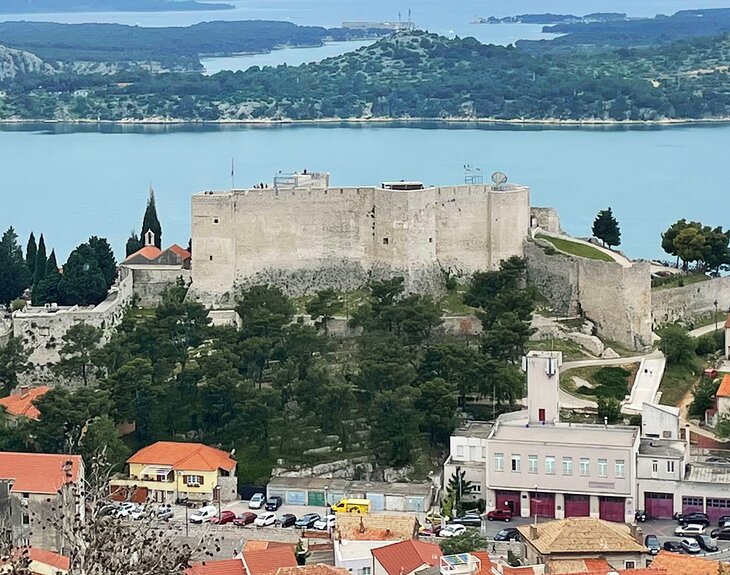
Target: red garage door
column 692, row 504
column 542, row 505
column 509, row 500
column 717, row 507
column 577, row 505
column 659, row 505
column 612, row 509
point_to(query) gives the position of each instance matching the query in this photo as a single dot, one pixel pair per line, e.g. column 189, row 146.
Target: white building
column 468, row 453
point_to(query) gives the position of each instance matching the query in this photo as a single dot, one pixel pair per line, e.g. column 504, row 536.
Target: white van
column 204, row 514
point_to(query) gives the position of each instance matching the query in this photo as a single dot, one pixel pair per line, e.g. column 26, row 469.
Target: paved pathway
column 568, row 401
column 646, row 384
column 617, row 257
column 705, row 329
column 617, row 361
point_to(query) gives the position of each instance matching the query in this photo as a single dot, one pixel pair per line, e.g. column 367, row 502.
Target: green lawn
column 677, row 381
column 677, row 281
column 576, row 249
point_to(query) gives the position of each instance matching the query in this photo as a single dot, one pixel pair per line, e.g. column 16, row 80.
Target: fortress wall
column 151, row 282
column 546, row 219
column 509, row 223
column 214, row 258
column 617, row 300
column 555, row 276
column 462, row 222
column 690, row 302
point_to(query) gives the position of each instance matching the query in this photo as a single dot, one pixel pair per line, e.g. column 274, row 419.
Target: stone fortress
column 303, row 235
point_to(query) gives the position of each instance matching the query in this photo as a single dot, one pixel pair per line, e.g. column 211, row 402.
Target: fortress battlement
column 302, row 234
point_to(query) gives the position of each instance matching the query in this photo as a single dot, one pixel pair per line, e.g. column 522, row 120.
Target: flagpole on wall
column 233, row 175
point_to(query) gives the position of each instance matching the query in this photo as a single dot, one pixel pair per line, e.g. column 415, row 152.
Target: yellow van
column 352, row 506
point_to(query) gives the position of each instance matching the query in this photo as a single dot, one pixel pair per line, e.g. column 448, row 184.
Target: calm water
column 72, row 184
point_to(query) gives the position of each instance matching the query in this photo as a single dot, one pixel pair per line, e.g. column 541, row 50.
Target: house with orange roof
column 405, row 557
column 171, row 470
column 19, row 405
column 727, row 337
column 38, row 488
column 676, row 564
column 269, row 561
column 217, row 567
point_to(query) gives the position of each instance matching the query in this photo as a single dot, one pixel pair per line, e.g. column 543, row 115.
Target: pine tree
column 151, row 222
column 46, row 291
column 606, row 228
column 83, row 281
column 40, row 262
column 14, row 274
column 134, row 244
column 30, row 254
column 105, row 259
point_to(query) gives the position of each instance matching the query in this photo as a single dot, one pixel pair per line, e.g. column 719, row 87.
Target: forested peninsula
column 405, row 76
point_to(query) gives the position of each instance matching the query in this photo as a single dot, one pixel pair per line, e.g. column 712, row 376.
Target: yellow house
column 170, row 470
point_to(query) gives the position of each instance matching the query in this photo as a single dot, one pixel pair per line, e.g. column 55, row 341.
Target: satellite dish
column 499, row 179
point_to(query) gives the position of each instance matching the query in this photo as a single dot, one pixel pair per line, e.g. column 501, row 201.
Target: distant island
column 41, row 6
column 554, row 18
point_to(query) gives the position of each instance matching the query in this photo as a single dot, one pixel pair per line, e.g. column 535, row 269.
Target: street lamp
column 715, row 304
column 326, row 487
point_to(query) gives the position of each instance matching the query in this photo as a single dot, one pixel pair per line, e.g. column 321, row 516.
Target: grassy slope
column 576, row 249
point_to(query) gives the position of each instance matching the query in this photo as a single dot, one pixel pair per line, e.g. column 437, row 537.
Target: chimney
column 23, row 391
column 637, row 533
column 533, row 532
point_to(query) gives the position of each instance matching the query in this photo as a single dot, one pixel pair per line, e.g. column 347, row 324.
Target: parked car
column 108, row 509
column 429, row 530
column 257, row 501
column 265, row 519
column 452, row 529
column 500, row 515
column 690, row 545
column 508, row 534
column 721, row 522
column 164, row 512
column 287, row 520
column 716, row 459
column 204, row 514
column 640, row 516
column 652, row 543
column 434, row 517
column 273, row 503
column 673, row 546
column 324, row 523
column 127, row 508
column 470, row 519
column 306, row 521
column 723, row 534
column 245, row 518
column 696, row 518
column 691, row 529
column 706, row 543
column 139, row 513
column 223, row 518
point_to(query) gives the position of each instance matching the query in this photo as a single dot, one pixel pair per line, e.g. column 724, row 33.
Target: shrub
column 17, row 304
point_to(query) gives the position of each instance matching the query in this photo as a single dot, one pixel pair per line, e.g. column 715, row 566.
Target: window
column 366, row 571
column 567, row 466
column 630, row 564
column 210, row 258
column 585, row 466
column 550, row 465
column 473, row 453
column 430, row 240
column 484, row 452
column 516, row 463
column 460, row 451
column 670, row 466
column 476, row 487
column 654, row 467
column 532, row 463
column 193, row 480
column 215, row 220
column 25, row 495
column 541, row 414
column 499, row 461
column 26, row 519
column 602, row 468
column 386, row 241
column 620, row 468
column 667, row 434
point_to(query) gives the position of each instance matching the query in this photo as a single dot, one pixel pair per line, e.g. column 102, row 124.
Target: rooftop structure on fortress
column 303, row 234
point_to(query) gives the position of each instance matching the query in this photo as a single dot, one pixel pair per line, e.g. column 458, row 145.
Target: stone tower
column 543, row 386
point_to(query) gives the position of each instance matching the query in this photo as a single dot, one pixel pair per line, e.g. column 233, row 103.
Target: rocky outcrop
column 17, row 63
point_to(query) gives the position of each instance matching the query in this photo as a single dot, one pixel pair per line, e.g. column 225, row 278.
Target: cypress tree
column 14, row 275
column 46, row 291
column 606, row 228
column 82, row 281
column 30, row 254
column 151, row 221
column 105, row 259
column 134, row 244
column 40, row 262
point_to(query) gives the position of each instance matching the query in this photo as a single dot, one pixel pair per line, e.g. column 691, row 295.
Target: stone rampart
column 616, row 299
column 684, row 304
column 150, row 282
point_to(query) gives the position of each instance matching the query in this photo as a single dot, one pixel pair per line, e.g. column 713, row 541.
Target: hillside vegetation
column 409, row 75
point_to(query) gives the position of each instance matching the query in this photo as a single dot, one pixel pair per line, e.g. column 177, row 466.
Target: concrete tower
column 543, row 386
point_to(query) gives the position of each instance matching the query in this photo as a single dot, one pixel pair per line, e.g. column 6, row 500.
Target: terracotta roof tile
column 147, row 252
column 21, row 405
column 407, row 556
column 268, row 561
column 676, row 564
column 319, row 569
column 253, row 545
column 50, row 558
column 581, row 535
column 182, row 252
column 376, row 527
column 724, row 389
column 184, row 456
column 38, row 472
column 486, row 568
column 526, row 570
column 223, row 567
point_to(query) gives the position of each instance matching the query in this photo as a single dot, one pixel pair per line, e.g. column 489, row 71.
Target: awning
column 155, row 470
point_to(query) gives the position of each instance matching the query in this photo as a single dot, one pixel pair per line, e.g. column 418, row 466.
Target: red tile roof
column 676, row 564
column 486, row 563
column 182, row 252
column 254, row 545
column 407, row 556
column 724, row 390
column 51, row 558
column 38, row 472
column 319, row 569
column 611, row 571
column 147, row 252
column 222, row 567
column 268, row 561
column 21, row 405
column 184, row 456
column 527, row 570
